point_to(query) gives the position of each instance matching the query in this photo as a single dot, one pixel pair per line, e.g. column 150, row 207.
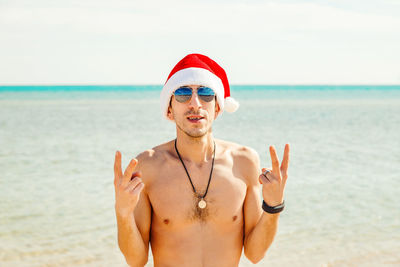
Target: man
column 196, row 199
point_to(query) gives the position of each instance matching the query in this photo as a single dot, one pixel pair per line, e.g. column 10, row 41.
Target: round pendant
column 202, row 204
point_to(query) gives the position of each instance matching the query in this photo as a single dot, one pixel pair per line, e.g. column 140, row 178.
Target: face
column 195, row 116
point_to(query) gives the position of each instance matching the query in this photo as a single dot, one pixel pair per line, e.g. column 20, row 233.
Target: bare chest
column 175, row 203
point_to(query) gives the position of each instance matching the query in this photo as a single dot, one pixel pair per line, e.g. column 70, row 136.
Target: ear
column 170, row 115
column 217, row 109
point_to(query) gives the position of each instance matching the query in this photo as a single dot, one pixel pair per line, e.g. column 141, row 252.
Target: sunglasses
column 184, row 94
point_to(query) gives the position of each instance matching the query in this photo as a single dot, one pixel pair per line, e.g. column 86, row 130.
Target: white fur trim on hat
column 231, row 105
column 191, row 76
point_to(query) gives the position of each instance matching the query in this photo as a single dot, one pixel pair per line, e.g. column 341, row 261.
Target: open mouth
column 195, row 118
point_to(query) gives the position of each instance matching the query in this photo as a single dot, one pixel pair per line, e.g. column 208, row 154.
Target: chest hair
column 198, row 214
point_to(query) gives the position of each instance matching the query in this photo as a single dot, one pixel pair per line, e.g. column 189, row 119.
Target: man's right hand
column 127, row 187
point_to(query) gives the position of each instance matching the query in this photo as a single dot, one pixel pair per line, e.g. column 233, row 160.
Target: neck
column 196, row 149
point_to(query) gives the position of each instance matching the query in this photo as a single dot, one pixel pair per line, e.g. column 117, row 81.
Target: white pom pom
column 230, row 105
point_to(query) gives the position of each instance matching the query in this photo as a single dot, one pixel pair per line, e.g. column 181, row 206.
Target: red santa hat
column 197, row 69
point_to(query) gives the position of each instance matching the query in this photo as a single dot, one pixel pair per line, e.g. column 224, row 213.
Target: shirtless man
column 196, row 199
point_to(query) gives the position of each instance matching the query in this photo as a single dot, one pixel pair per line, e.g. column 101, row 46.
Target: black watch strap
column 272, row 210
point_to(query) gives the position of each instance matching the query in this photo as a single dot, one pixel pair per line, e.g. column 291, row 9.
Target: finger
column 117, row 166
column 286, row 158
column 132, row 184
column 269, row 176
column 266, row 171
column 259, row 177
column 263, row 179
column 138, row 189
column 136, row 174
column 275, row 161
column 129, row 170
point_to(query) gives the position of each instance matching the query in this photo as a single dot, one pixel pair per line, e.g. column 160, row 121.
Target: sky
column 256, row 42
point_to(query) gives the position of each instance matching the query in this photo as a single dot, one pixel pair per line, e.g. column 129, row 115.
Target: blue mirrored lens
column 183, row 91
column 205, row 91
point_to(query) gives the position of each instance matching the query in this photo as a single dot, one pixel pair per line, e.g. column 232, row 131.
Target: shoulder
column 244, row 158
column 158, row 153
column 239, row 152
column 152, row 160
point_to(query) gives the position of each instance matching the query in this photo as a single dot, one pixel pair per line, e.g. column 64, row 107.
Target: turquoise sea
column 57, row 146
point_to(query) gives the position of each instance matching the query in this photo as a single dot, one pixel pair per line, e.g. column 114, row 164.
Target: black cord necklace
column 202, row 203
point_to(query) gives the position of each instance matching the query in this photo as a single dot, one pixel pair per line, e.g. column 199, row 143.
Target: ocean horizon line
column 137, row 87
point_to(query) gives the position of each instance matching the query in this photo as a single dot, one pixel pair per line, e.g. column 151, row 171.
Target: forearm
column 260, row 238
column 130, row 241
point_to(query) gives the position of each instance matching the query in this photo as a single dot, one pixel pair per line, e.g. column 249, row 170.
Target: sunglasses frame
column 186, row 98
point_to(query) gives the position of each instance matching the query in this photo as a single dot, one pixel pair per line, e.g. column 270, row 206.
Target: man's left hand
column 274, row 181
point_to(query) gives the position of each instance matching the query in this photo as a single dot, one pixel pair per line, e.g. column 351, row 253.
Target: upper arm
column 142, row 211
column 252, row 203
column 142, row 215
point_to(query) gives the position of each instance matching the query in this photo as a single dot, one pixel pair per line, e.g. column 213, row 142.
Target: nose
column 195, row 101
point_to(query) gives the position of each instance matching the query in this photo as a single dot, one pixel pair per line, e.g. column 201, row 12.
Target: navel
column 234, row 218
column 166, row 221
